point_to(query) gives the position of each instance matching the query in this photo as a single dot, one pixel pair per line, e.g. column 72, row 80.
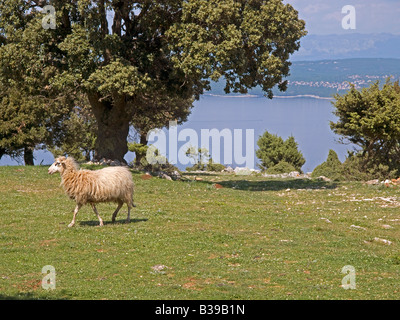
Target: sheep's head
column 58, row 165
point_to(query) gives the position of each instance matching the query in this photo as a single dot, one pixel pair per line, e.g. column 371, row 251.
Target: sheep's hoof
column 71, row 225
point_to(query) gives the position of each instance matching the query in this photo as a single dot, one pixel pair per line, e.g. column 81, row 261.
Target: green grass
column 251, row 239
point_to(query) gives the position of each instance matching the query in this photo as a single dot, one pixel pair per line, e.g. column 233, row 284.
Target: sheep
column 111, row 184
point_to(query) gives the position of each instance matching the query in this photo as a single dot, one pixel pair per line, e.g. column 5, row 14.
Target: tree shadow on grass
column 276, row 185
column 197, row 173
column 61, row 295
column 120, row 221
column 20, row 296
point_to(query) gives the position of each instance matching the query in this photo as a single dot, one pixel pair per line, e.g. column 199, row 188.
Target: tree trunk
column 112, row 128
column 28, row 156
column 140, row 156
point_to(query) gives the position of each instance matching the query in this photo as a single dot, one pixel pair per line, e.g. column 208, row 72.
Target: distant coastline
column 232, row 95
column 323, row 79
column 311, row 96
column 305, row 96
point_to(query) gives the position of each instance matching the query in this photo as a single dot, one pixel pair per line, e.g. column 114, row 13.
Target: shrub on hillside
column 200, row 157
column 332, row 168
column 151, row 159
column 281, row 167
column 359, row 168
column 210, row 166
column 273, row 149
column 356, row 167
column 213, row 166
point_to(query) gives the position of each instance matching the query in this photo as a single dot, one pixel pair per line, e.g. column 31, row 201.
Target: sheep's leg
column 120, row 203
column 97, row 214
column 130, row 206
column 78, row 206
column 128, row 218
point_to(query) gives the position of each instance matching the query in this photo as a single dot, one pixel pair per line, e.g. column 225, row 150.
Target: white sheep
column 111, row 184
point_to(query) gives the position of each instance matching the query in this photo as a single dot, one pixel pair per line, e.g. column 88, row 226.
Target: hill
column 324, row 78
column 347, row 46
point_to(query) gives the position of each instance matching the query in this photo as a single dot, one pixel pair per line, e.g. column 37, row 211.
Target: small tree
column 331, row 168
column 370, row 119
column 281, row 167
column 200, row 157
column 213, row 166
column 292, row 155
column 273, row 149
column 140, row 150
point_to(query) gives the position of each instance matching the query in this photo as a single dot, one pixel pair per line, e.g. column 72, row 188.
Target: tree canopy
column 370, row 119
column 31, row 110
column 142, row 63
column 273, row 150
column 332, row 168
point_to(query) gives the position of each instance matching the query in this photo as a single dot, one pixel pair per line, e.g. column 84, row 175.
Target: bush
column 212, row 166
column 140, row 152
column 153, row 161
column 273, row 150
column 332, row 168
column 359, row 168
column 197, row 167
column 356, row 167
column 200, row 156
column 281, row 167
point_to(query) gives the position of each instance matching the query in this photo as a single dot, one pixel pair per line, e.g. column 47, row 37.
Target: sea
column 244, row 118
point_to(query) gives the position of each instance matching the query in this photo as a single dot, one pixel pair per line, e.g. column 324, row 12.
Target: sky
column 371, row 16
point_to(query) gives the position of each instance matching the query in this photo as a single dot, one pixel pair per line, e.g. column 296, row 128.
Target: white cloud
column 372, row 16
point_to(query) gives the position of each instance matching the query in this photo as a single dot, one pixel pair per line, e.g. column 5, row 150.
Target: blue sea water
column 307, row 119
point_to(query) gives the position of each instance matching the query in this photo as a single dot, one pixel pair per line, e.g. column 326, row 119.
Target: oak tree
column 143, row 63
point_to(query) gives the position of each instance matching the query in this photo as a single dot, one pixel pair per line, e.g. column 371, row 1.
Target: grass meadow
column 221, row 237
